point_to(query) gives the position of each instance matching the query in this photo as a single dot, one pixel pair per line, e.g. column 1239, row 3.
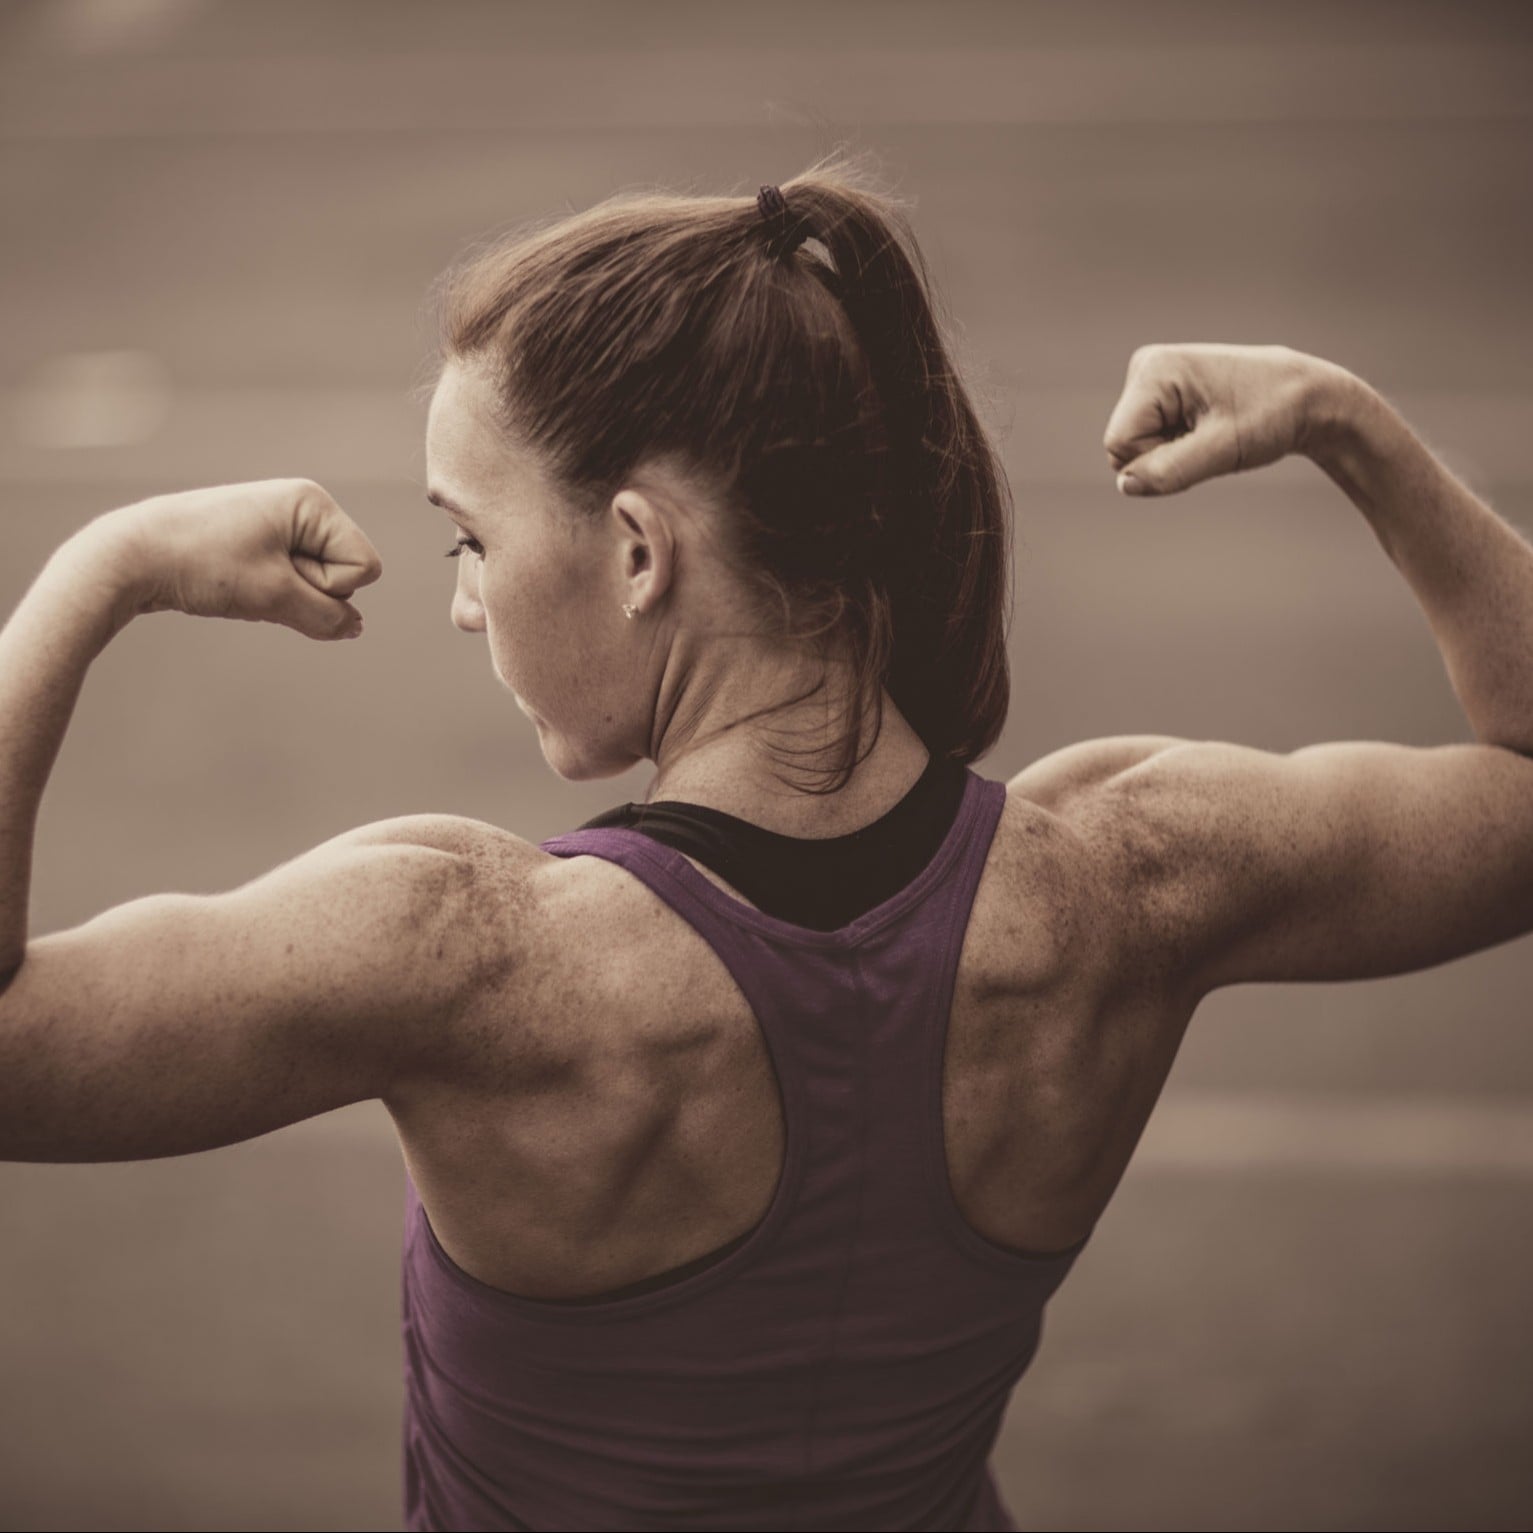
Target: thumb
column 316, row 615
column 1210, row 448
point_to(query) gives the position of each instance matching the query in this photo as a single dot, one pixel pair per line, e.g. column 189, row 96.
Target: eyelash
column 473, row 545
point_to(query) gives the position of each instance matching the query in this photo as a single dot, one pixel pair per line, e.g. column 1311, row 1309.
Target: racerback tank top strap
column 855, row 1021
column 853, row 1018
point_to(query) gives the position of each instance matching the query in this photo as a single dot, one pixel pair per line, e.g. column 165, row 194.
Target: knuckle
column 307, row 489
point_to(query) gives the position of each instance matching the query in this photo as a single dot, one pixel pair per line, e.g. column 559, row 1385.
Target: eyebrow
column 446, row 503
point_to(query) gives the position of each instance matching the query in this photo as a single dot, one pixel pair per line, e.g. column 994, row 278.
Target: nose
column 467, row 610
column 467, row 614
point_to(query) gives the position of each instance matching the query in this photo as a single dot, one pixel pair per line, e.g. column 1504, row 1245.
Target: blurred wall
column 1307, row 1306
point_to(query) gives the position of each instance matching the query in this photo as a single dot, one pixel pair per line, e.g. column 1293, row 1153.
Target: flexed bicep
column 1341, row 861
column 178, row 1022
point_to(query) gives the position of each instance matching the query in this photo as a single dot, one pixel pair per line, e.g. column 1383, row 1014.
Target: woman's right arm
column 1339, row 861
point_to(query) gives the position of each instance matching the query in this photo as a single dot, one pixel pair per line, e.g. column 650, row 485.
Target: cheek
column 549, row 638
column 530, row 631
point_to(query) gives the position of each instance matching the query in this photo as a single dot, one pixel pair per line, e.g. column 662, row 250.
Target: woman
column 750, row 1128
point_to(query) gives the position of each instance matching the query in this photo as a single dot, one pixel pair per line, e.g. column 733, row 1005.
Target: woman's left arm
column 179, row 1022
column 74, row 607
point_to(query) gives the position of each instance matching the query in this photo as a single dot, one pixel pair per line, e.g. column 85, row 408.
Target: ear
column 646, row 539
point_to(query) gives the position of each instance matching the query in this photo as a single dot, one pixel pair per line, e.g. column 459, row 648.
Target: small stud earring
column 629, row 610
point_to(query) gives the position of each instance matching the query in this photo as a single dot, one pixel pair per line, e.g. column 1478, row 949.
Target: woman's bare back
column 622, row 1116
column 610, row 1110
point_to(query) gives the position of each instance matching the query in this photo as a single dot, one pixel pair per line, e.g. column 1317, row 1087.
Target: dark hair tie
column 787, row 233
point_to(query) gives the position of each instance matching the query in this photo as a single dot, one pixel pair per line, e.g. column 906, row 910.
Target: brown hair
column 810, row 398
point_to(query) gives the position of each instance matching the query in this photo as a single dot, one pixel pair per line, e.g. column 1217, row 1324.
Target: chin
column 582, row 766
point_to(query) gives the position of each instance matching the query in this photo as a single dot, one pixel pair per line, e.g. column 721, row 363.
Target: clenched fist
column 1190, row 412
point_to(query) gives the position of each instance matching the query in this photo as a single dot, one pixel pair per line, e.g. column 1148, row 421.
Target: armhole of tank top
column 1005, row 1259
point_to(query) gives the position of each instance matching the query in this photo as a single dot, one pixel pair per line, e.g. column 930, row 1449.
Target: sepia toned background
column 1307, row 1307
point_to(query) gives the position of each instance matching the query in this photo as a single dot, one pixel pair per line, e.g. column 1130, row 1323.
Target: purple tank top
column 844, row 1366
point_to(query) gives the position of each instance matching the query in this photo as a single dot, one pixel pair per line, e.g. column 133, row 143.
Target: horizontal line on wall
column 1227, row 1133
column 376, row 436
column 1230, row 1133
column 113, row 96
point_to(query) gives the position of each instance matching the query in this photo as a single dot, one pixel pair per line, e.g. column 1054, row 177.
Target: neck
column 725, row 759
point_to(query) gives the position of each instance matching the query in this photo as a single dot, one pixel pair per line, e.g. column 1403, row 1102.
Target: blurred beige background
column 1307, row 1307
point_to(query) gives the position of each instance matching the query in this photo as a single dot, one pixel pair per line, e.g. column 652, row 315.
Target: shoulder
column 1115, row 840
column 475, row 841
column 1059, row 781
column 539, row 957
column 475, row 852
column 412, row 916
column 465, row 922
column 463, row 877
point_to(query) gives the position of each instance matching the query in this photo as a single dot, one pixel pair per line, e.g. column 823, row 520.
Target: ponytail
column 947, row 556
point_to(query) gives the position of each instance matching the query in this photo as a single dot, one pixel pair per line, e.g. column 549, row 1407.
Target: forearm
column 71, row 611
column 1471, row 571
